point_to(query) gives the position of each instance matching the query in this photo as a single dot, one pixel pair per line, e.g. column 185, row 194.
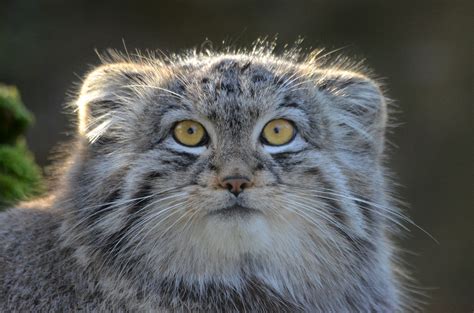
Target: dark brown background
column 422, row 48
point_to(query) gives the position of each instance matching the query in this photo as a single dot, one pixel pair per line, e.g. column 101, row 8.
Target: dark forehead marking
column 289, row 105
column 229, row 87
column 225, row 65
column 177, row 86
column 245, row 67
column 170, row 98
column 258, row 78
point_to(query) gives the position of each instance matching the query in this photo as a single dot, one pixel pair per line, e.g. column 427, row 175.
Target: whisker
column 153, row 228
column 130, row 241
column 149, row 218
column 187, row 223
column 293, row 205
column 393, row 220
column 399, row 215
column 70, row 229
column 107, row 206
column 114, row 205
column 159, row 88
column 91, row 227
column 132, row 199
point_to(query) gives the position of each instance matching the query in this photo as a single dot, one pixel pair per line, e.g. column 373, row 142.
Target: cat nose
column 235, row 184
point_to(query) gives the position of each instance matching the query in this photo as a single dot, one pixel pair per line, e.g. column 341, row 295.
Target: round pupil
column 190, row 130
column 276, row 129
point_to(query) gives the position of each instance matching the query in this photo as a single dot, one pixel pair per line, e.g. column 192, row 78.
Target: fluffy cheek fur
column 200, row 248
column 176, row 235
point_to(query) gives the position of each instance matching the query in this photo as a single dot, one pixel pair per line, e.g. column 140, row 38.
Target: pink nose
column 235, row 184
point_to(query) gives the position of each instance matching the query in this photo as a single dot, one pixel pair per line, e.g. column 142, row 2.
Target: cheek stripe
column 359, row 245
column 333, row 206
column 270, row 167
column 115, row 242
column 335, row 209
column 199, row 167
column 366, row 210
column 144, row 191
column 108, row 205
column 112, row 244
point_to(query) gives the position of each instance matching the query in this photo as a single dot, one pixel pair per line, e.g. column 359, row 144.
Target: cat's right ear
column 105, row 95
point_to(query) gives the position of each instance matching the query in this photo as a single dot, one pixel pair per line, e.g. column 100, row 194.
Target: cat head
column 214, row 165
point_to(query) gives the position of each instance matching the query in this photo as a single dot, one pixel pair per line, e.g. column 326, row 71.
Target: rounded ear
column 359, row 109
column 105, row 93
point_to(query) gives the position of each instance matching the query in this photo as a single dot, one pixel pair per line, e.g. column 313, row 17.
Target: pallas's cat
column 214, row 182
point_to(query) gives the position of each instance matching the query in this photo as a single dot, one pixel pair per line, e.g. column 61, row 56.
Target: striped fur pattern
column 136, row 222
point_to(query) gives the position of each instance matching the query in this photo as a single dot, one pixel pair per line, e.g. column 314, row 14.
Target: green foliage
column 20, row 177
column 14, row 117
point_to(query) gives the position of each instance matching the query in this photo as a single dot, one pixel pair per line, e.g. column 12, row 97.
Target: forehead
column 234, row 89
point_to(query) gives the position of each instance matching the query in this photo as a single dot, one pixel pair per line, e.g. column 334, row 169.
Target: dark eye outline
column 203, row 142
column 264, row 140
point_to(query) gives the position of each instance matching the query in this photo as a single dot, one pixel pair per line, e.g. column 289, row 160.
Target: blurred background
column 423, row 50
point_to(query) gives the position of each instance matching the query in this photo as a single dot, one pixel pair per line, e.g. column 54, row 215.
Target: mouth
column 235, row 210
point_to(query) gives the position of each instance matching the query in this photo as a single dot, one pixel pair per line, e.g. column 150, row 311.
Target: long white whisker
column 130, row 241
column 159, row 88
column 153, row 228
column 154, row 216
column 147, row 219
column 99, row 220
column 388, row 210
column 108, row 206
column 308, row 205
column 188, row 222
column 322, row 195
column 293, row 205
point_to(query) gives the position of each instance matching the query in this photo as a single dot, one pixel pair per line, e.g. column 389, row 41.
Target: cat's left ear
column 359, row 110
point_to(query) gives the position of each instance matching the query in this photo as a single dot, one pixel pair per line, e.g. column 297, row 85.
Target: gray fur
column 132, row 227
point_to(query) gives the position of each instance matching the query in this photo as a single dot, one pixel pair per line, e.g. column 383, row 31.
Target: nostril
column 235, row 184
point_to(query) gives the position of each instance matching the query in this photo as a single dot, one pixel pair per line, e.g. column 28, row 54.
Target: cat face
column 210, row 164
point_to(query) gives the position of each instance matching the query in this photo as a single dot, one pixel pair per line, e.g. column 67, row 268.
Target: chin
column 237, row 231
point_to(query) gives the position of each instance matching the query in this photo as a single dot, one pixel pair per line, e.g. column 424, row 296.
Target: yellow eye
column 190, row 133
column 278, row 132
